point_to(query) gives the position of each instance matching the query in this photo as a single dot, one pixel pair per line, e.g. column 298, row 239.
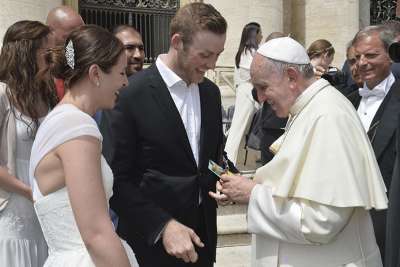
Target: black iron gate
column 382, row 10
column 150, row 17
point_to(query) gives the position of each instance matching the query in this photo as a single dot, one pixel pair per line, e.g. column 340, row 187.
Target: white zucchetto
column 284, row 49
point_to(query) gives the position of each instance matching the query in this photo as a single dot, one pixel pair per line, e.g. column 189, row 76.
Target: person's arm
column 294, row 220
column 12, row 184
column 9, row 182
column 145, row 217
column 82, row 167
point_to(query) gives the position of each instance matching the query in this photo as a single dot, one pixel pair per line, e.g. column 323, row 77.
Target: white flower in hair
column 70, row 54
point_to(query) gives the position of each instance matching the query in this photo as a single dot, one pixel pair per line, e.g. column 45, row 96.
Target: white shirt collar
column 168, row 75
column 384, row 85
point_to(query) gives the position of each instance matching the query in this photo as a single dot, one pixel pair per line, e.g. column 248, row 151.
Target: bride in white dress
column 72, row 182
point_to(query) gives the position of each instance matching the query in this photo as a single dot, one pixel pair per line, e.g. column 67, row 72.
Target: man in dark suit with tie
column 167, row 125
column 378, row 105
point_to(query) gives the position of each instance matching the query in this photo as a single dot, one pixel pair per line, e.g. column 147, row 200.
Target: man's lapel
column 205, row 122
column 163, row 97
column 355, row 99
column 384, row 123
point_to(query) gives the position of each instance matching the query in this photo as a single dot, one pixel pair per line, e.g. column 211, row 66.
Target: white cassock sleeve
column 296, row 221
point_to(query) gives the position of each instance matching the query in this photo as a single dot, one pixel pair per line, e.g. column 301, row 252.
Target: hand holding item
column 318, row 71
column 179, row 241
column 237, row 188
column 221, row 199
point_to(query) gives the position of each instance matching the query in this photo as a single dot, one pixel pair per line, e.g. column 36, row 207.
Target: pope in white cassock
column 308, row 207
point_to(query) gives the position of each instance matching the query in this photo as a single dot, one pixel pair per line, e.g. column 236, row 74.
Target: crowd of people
column 105, row 163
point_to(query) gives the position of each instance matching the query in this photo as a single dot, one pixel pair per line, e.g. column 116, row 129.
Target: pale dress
column 245, row 107
column 21, row 240
column 66, row 247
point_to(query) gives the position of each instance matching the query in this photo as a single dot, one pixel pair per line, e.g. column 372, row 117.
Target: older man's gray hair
column 306, row 70
column 386, row 35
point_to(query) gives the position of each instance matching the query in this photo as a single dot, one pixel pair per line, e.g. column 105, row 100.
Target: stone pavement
column 233, row 246
column 238, row 256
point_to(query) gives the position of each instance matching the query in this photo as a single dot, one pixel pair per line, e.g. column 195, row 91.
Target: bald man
column 62, row 20
column 134, row 48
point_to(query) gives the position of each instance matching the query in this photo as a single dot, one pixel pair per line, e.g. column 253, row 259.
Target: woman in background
column 25, row 99
column 245, row 105
column 321, row 54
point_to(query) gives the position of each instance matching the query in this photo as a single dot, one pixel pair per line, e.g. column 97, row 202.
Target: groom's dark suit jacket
column 156, row 176
column 382, row 134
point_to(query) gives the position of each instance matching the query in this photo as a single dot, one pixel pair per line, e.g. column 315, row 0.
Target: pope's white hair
column 306, row 70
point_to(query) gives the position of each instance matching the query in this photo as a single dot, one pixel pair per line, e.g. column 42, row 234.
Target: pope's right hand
column 179, row 241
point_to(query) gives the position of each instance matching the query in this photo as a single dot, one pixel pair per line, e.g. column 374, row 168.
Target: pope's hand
column 179, row 241
column 237, row 188
column 221, row 199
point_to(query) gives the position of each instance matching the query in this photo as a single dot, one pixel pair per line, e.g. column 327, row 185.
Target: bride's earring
column 97, row 83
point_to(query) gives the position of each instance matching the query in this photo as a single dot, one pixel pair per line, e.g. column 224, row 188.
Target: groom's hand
column 179, row 241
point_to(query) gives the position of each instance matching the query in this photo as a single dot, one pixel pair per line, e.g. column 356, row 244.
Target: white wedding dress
column 66, row 248
column 21, row 239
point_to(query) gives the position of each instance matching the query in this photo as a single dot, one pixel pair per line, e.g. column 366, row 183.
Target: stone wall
column 238, row 13
column 12, row 11
column 334, row 20
column 306, row 21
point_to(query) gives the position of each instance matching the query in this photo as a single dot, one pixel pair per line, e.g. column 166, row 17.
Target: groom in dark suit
column 167, row 125
column 378, row 105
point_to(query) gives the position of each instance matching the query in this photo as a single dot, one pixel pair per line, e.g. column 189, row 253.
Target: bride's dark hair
column 91, row 45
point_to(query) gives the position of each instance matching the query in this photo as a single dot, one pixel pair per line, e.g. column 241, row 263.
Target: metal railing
column 382, row 10
column 150, row 17
column 222, row 76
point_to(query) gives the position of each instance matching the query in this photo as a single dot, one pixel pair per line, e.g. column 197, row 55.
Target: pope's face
column 272, row 86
